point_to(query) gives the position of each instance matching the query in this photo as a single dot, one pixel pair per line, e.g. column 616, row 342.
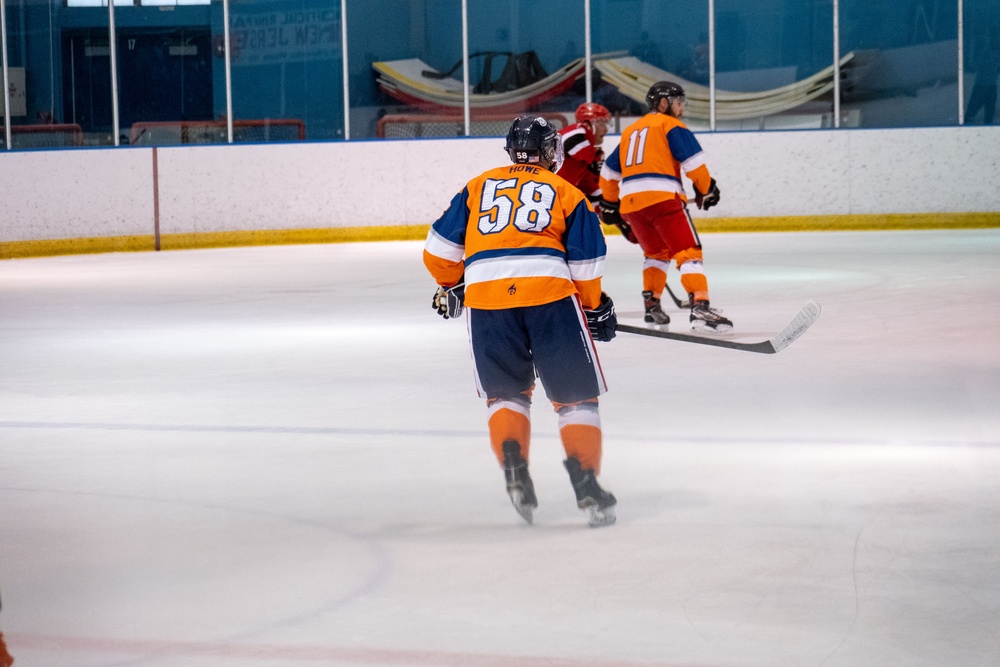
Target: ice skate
column 706, row 319
column 590, row 497
column 519, row 485
column 654, row 313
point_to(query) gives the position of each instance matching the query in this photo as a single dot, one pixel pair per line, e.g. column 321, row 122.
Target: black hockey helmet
column 661, row 89
column 531, row 139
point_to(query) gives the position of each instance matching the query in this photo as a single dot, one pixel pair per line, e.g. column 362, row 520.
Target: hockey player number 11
column 636, row 148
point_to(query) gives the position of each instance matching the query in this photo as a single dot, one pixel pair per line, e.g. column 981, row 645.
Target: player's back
column 514, row 247
column 650, row 170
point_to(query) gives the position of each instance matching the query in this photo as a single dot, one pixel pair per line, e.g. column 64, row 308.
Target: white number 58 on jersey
column 533, row 211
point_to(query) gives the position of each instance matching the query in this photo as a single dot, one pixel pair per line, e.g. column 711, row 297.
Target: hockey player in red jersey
column 522, row 252
column 641, row 184
column 582, row 167
column 584, row 156
column 582, row 148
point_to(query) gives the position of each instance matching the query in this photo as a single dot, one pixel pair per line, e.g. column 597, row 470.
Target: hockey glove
column 595, row 166
column 709, row 199
column 449, row 302
column 602, row 321
column 611, row 216
column 609, row 211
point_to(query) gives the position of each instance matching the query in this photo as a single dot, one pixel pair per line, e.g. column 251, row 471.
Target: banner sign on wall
column 284, row 36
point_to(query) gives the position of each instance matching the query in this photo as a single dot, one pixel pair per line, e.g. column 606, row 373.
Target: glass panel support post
column 6, row 75
column 711, row 65
column 345, row 71
column 836, row 63
column 113, row 54
column 466, row 103
column 587, row 51
column 961, row 64
column 229, row 71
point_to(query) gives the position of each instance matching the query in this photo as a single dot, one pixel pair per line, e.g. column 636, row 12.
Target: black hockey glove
column 611, row 216
column 709, row 199
column 602, row 321
column 450, row 301
column 595, row 166
column 609, row 211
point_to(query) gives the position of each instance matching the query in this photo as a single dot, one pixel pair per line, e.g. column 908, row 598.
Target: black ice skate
column 706, row 319
column 654, row 313
column 590, row 497
column 519, row 485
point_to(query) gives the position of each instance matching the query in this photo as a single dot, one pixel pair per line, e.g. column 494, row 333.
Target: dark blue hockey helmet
column 531, row 139
column 664, row 89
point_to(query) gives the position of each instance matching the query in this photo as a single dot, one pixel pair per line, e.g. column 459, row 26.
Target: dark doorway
column 163, row 75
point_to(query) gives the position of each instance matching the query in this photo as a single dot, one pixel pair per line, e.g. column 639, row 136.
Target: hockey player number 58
column 533, row 211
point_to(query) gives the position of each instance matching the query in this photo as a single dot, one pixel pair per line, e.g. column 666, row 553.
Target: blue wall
column 287, row 53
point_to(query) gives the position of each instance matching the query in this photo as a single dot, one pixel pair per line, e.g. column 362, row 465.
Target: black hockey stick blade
column 776, row 343
column 677, row 302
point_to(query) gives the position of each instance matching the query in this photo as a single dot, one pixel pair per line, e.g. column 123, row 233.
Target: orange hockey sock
column 696, row 284
column 509, row 420
column 654, row 278
column 580, row 431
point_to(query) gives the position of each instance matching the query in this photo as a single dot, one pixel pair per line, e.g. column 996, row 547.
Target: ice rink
column 275, row 456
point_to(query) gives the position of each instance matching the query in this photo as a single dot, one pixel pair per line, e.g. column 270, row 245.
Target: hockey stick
column 776, row 343
column 680, row 304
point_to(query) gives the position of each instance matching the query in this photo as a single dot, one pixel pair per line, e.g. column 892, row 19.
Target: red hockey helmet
column 592, row 111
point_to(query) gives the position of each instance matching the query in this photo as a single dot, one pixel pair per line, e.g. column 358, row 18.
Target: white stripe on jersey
column 693, row 162
column 609, row 174
column 587, row 269
column 579, row 145
column 653, row 184
column 439, row 246
column 516, row 266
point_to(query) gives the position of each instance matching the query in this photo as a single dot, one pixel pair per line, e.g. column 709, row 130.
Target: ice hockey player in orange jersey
column 641, row 183
column 521, row 252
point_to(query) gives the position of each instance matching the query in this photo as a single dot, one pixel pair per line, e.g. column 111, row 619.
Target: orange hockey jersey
column 522, row 236
column 645, row 168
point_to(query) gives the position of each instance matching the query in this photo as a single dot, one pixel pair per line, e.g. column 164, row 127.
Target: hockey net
column 417, row 126
column 216, row 132
column 42, row 136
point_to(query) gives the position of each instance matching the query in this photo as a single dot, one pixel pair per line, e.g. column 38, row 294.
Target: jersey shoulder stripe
column 683, row 143
column 439, row 246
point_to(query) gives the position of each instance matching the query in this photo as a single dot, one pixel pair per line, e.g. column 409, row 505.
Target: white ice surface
column 276, row 456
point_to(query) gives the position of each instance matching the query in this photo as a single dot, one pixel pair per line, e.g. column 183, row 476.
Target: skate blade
column 597, row 517
column 721, row 330
column 526, row 511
